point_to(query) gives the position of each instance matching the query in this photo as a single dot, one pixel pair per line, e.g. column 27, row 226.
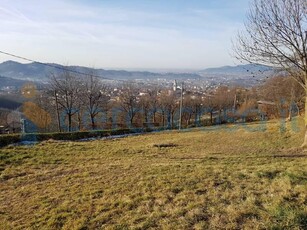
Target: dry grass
column 207, row 179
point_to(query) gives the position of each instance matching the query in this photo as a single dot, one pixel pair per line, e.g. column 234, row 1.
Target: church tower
column 175, row 85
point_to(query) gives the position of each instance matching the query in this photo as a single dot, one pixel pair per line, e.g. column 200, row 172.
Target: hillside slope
column 232, row 177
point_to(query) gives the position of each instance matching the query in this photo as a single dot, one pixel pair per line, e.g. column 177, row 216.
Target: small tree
column 40, row 117
column 284, row 92
column 145, row 106
column 168, row 106
column 154, row 103
column 197, row 109
column 3, row 117
column 276, row 35
column 187, row 110
column 223, row 101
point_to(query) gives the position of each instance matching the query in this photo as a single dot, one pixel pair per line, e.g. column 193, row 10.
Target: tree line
column 72, row 103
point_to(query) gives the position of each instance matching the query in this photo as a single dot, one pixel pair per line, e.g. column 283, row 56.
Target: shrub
column 70, row 136
column 9, row 139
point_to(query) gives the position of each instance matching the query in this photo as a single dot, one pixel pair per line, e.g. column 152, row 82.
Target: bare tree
column 154, row 102
column 197, row 104
column 276, row 35
column 187, row 111
column 145, row 106
column 3, row 117
column 209, row 106
column 223, row 101
column 67, row 88
column 44, row 109
column 163, row 105
column 129, row 102
column 94, row 97
column 168, row 106
column 192, row 106
column 284, row 92
column 14, row 121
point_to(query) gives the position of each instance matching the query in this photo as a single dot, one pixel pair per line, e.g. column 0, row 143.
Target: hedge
column 70, row 136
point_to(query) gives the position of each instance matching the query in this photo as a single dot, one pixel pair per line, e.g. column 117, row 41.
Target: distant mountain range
column 239, row 69
column 38, row 72
column 16, row 74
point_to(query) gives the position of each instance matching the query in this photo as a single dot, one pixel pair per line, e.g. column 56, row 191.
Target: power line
column 57, row 66
column 181, row 106
column 54, row 66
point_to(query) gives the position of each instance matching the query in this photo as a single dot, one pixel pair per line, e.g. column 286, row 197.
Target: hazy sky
column 177, row 34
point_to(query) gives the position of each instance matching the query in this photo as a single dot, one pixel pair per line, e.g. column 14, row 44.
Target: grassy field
column 228, row 178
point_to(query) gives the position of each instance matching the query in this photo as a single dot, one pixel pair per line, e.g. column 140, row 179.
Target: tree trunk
column 163, row 119
column 220, row 117
column 79, row 121
column 298, row 110
column 69, row 122
column 145, row 116
column 168, row 120
column 304, row 145
column 57, row 111
column 196, row 118
column 93, row 122
column 290, row 113
column 154, row 117
column 189, row 120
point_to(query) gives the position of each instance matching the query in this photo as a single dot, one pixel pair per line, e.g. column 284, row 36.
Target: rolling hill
column 14, row 73
column 37, row 72
column 239, row 69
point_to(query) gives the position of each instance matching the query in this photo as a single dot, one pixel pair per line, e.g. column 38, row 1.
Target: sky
column 127, row 34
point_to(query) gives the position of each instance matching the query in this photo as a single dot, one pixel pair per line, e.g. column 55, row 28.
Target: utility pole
column 235, row 102
column 181, row 102
column 57, row 110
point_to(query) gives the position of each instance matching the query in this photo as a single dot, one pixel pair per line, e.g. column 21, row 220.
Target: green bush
column 72, row 136
column 9, row 139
